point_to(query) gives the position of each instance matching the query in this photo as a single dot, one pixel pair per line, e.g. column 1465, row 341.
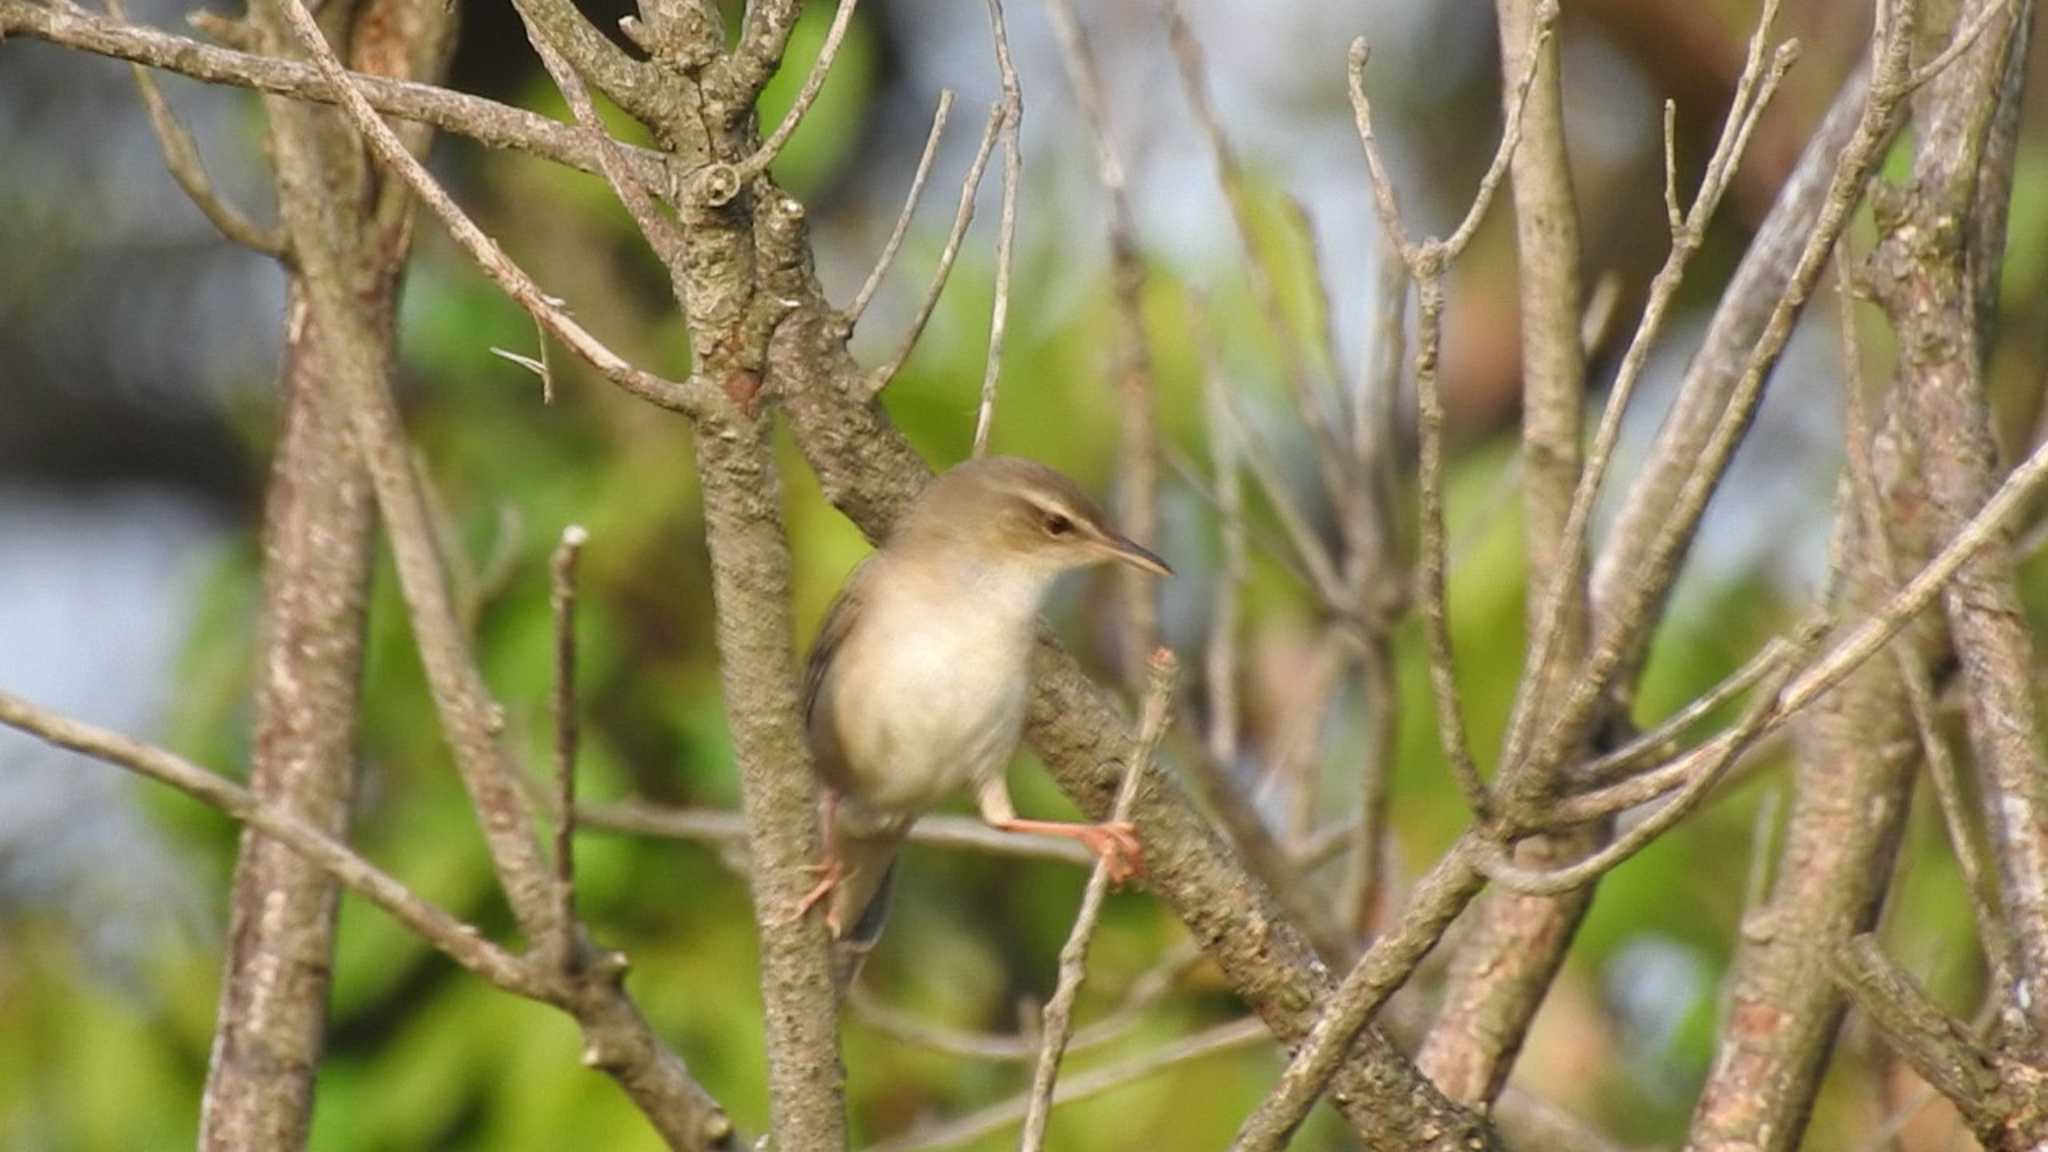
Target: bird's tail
column 860, row 904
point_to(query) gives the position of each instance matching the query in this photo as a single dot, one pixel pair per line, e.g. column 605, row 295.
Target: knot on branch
column 715, row 185
column 779, row 237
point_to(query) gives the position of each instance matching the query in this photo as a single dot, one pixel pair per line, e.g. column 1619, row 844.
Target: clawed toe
column 1116, row 844
column 829, row 874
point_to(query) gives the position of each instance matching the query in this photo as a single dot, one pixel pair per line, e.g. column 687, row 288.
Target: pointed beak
column 1122, row 548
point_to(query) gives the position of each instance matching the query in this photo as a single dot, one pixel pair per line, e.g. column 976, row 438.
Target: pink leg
column 829, row 871
column 1115, row 843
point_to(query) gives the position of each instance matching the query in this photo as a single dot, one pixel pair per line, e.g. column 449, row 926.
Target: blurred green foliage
column 424, row 1056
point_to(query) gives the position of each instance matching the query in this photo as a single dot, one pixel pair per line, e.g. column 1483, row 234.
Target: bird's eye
column 1057, row 525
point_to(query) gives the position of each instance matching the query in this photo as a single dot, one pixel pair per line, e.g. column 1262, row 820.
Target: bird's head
column 1004, row 510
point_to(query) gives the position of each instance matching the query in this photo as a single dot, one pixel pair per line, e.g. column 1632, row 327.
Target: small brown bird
column 918, row 681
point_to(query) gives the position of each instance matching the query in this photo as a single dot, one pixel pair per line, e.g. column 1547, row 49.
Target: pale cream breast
column 962, row 659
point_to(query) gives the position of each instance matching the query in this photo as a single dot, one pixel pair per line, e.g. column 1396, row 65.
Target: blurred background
column 138, row 355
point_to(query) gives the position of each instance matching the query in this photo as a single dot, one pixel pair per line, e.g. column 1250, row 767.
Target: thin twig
column 1454, row 880
column 1937, row 1046
column 814, row 83
column 962, row 217
column 1661, row 742
column 1964, row 39
column 1131, row 360
column 1501, row 868
column 966, row 1129
column 1059, row 1011
column 509, row 277
column 460, row 942
column 1437, row 900
column 1258, row 454
column 1433, row 577
column 1858, row 435
column 563, row 601
column 1754, row 90
column 1426, row 263
column 1625, row 617
column 1310, row 400
column 917, row 181
column 663, row 232
column 1219, row 670
column 488, row 122
column 2012, row 498
column 1006, row 233
column 1674, row 217
column 181, row 158
column 1151, row 986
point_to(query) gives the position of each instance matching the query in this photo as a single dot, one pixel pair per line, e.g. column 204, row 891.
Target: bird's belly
column 934, row 715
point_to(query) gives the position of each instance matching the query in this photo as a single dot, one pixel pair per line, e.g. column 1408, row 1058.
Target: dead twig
column 868, row 287
column 1059, row 1011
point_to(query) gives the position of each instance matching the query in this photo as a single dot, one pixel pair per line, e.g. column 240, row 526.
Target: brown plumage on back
column 917, row 682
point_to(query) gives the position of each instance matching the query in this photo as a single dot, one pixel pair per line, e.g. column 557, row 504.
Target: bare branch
column 563, row 600
column 1543, row 21
column 1662, row 741
column 489, row 123
column 1147, row 990
column 632, row 84
column 1437, row 900
column 1674, row 217
column 319, row 514
column 962, row 217
column 764, row 35
column 1938, row 1046
column 1546, row 663
column 1926, row 270
column 1302, row 379
column 662, row 232
column 181, row 157
column 814, row 83
column 1131, row 361
column 1965, row 39
column 485, row 251
column 1515, row 944
column 458, row 941
column 902, row 228
column 1219, row 669
column 1504, row 871
column 1223, row 1038
column 1006, row 234
column 1059, row 1011
column 1941, row 769
column 1443, row 673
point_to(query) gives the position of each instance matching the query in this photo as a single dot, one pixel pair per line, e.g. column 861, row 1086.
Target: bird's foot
column 1115, row 843
column 829, row 874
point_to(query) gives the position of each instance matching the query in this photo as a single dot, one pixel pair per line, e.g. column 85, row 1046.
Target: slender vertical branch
column 562, row 599
column 962, row 217
column 1006, row 232
column 1303, row 380
column 1940, row 242
column 896, row 234
column 814, row 83
column 182, row 160
column 1131, row 360
column 1059, row 1011
column 1219, row 668
column 1858, row 436
column 320, row 511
